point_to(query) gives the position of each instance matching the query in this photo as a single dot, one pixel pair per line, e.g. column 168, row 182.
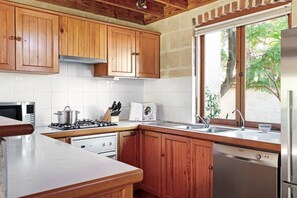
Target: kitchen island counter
column 38, row 165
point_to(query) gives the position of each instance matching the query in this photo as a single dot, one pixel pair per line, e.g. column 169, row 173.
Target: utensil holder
column 108, row 118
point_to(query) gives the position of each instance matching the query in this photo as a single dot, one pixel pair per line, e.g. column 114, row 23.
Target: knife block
column 108, row 118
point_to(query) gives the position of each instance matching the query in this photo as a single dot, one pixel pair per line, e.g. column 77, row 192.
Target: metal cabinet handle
column 289, row 134
column 18, row 38
column 11, row 38
column 289, row 192
column 210, row 167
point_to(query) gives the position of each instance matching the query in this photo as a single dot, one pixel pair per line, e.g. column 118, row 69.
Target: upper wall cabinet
column 131, row 54
column 28, row 42
column 36, row 41
column 83, row 38
column 7, row 42
column 148, row 55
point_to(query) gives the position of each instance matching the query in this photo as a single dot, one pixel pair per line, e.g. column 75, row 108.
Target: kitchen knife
column 116, row 113
column 119, row 106
column 114, row 106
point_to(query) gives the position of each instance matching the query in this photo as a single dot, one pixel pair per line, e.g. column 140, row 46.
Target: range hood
column 76, row 59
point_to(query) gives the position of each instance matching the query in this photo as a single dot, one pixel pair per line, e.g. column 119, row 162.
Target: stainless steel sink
column 190, row 127
column 194, row 127
column 164, row 124
column 215, row 129
column 178, row 125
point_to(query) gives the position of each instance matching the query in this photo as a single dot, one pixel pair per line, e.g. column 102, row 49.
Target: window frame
column 240, row 79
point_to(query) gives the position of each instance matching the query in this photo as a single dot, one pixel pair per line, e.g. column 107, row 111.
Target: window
column 220, row 74
column 240, row 69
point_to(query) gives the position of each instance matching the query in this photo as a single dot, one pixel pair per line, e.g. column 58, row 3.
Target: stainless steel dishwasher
column 245, row 173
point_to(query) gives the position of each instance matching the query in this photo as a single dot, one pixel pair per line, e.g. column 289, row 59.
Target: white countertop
column 36, row 163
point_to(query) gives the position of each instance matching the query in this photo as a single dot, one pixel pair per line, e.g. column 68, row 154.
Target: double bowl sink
column 192, row 127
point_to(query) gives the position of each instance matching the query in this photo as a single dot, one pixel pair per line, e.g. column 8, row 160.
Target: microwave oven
column 22, row 111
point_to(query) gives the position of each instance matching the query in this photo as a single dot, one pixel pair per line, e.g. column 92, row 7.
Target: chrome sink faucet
column 205, row 120
column 242, row 119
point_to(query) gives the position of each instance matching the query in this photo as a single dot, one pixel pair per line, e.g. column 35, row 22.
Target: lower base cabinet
column 150, row 162
column 176, row 166
column 129, row 144
column 202, row 168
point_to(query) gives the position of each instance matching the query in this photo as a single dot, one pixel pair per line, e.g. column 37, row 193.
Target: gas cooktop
column 82, row 124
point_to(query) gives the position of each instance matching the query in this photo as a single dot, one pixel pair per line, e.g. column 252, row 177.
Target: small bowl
column 264, row 128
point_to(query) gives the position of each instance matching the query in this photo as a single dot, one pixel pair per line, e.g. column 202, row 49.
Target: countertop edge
column 94, row 186
column 11, row 127
column 91, row 131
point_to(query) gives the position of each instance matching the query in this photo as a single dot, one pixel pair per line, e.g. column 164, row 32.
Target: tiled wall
column 74, row 86
column 173, row 96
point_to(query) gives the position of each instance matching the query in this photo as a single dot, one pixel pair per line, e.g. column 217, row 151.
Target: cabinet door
column 148, row 55
column 121, row 52
column 176, row 166
column 202, row 168
column 150, row 162
column 129, row 148
column 82, row 38
column 36, row 41
column 7, row 42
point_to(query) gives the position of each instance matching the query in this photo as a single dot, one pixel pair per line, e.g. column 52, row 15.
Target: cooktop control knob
column 258, row 156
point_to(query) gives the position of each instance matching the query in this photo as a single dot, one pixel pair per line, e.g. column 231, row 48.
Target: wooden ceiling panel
column 128, row 11
column 180, row 4
column 101, row 9
column 153, row 8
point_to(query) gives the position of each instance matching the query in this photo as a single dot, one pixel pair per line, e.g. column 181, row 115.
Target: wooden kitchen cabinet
column 129, row 144
column 131, row 53
column 28, row 40
column 150, row 161
column 83, row 38
column 7, row 42
column 202, row 168
column 36, row 41
column 176, row 166
column 148, row 58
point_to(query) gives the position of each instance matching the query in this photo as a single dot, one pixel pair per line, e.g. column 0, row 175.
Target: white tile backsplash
column 75, row 86
column 173, row 96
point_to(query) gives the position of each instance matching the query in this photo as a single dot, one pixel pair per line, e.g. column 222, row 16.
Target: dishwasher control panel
column 257, row 156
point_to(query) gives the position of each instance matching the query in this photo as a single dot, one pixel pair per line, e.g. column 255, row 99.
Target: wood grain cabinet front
column 131, row 53
column 176, row 166
column 150, row 161
column 28, row 40
column 83, row 38
column 7, row 42
column 202, row 168
column 129, row 144
column 36, row 41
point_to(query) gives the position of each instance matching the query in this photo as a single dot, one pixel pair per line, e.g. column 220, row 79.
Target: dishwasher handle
column 248, row 155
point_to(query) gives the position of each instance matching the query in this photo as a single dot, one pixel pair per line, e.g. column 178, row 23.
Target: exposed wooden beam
column 96, row 7
column 180, row 4
column 194, row 3
column 153, row 8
